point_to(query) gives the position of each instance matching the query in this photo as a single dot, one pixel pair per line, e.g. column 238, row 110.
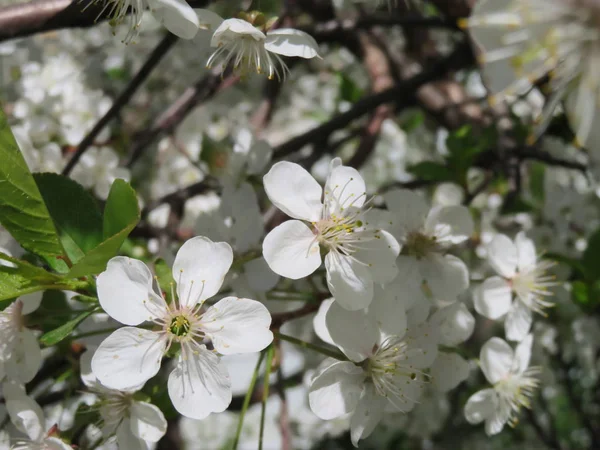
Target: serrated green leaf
column 55, row 336
column 22, row 278
column 121, row 215
column 431, row 171
column 74, row 212
column 22, row 209
column 28, row 270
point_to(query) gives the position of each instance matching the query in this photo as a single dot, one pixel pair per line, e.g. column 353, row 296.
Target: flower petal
column 455, row 323
column 31, row 302
column 128, row 357
column 319, row 321
column 523, row 354
column 177, row 16
column 125, row 291
column 147, row 421
column 380, row 254
column 503, row 256
column 496, row 359
column 235, row 29
column 199, row 269
column 208, row 20
column 354, row 332
column 407, row 287
column 480, row 406
column 525, row 251
column 449, row 224
column 389, row 314
column 238, row 325
column 126, row 438
column 345, row 188
column 294, row 191
column 26, row 358
column 518, row 321
column 291, row 250
column 336, row 390
column 368, row 414
column 200, row 385
column 409, row 210
column 493, row 298
column 53, row 443
column 291, row 42
column 349, row 281
column 446, row 275
column 27, row 416
column 448, row 371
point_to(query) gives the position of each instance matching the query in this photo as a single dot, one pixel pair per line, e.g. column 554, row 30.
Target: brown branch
column 40, row 16
column 200, row 92
column 155, row 57
column 401, row 94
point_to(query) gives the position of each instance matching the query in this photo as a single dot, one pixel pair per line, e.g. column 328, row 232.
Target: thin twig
column 155, row 57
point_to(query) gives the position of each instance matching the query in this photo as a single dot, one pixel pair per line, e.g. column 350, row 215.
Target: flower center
column 180, row 326
column 516, row 390
column 532, row 285
column 419, row 245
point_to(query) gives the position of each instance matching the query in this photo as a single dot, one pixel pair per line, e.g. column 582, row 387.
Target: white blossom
column 513, row 383
column 337, row 221
column 199, row 385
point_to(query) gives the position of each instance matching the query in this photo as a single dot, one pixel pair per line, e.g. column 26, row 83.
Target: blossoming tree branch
column 303, row 224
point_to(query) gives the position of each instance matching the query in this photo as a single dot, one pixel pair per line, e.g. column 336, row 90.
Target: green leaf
column 591, row 257
column 580, row 294
column 537, row 173
column 22, row 209
column 515, row 205
column 74, row 212
column 121, row 215
column 431, row 171
column 349, row 90
column 25, row 278
column 28, row 270
column 55, row 336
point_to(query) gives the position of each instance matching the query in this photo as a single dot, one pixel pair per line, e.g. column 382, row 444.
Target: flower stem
column 247, row 398
column 317, row 348
column 270, row 352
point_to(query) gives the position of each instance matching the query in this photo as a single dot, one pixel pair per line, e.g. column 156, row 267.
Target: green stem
column 270, row 352
column 317, row 348
column 247, row 398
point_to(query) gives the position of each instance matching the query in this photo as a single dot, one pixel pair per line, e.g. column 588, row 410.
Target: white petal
column 199, row 269
column 389, row 314
column 495, row 423
column 368, row 414
column 319, row 321
column 147, row 421
column 354, row 332
column 208, row 20
column 407, row 288
column 85, row 369
column 291, row 250
column 448, row 371
column 447, row 276
column 31, row 302
column 480, row 406
column 496, row 358
column 409, row 210
column 518, row 321
column 291, row 42
column 235, row 29
column 502, row 256
column 493, row 298
column 380, row 254
column 523, row 354
column 336, row 390
column 238, row 325
column 53, row 443
column 126, row 438
column 525, row 252
column 27, row 416
column 260, row 276
column 349, row 281
column 177, row 16
column 345, row 188
column 449, row 224
column 455, row 323
column 200, row 385
column 125, row 291
column 294, row 191
column 422, row 343
column 128, row 357
column 26, row 358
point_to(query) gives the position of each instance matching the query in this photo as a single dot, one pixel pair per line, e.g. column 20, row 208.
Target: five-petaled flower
column 339, row 222
column 199, row 384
